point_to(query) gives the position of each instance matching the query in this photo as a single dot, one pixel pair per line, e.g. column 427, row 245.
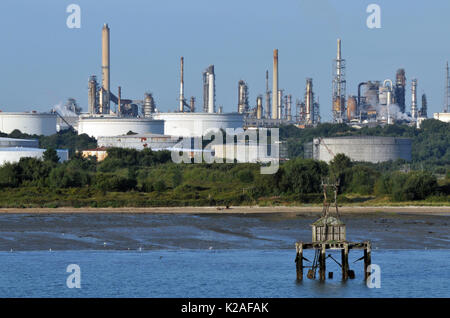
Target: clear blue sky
column 42, row 62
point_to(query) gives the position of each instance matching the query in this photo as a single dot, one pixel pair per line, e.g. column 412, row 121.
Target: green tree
column 50, row 155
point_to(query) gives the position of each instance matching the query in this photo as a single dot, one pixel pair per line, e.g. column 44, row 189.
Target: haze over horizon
column 43, row 62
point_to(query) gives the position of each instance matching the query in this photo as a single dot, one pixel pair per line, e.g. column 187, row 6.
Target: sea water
column 217, row 273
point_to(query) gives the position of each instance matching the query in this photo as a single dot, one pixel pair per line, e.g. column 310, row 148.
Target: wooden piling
column 367, row 260
column 322, row 262
column 299, row 261
column 344, row 259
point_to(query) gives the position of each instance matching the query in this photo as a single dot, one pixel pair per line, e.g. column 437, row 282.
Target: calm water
column 216, row 273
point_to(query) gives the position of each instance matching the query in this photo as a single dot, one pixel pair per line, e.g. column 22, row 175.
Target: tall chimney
column 181, row 86
column 105, row 68
column 275, row 85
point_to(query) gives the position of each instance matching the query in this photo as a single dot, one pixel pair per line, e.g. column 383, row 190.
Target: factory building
column 139, row 142
column 197, row 124
column 32, row 123
column 360, row 148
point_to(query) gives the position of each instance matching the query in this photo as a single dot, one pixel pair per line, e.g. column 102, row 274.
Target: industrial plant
column 111, row 116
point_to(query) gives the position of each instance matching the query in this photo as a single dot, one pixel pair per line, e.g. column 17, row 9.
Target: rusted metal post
column 322, row 266
column 299, row 261
column 367, row 259
column 344, row 256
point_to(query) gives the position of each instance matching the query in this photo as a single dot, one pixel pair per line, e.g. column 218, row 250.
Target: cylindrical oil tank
column 13, row 154
column 32, row 123
column 351, row 107
column 13, row 142
column 197, row 124
column 114, row 126
column 363, row 148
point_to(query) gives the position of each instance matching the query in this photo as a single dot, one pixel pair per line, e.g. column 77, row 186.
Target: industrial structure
column 445, row 115
column 113, row 126
column 32, row 123
column 243, row 107
column 339, row 86
column 197, row 124
column 209, row 90
column 13, row 149
column 359, row 148
column 154, row 142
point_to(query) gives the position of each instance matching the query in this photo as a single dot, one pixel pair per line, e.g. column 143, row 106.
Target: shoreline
column 234, row 210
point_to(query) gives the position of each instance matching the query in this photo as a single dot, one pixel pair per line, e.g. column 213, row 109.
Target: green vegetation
column 430, row 143
column 146, row 178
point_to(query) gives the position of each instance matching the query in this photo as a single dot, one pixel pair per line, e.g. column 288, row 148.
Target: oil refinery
column 111, row 115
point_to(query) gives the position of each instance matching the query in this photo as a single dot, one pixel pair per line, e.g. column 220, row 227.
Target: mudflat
column 209, row 228
column 235, row 209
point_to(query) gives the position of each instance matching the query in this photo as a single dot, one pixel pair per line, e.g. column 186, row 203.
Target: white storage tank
column 114, row 126
column 360, row 148
column 197, row 124
column 13, row 154
column 14, row 142
column 32, row 123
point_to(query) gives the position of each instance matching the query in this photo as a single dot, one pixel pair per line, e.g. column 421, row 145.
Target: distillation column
column 275, row 93
column 414, row 99
column 181, row 86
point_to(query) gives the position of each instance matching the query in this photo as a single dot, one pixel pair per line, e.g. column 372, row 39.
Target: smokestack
column 92, row 95
column 275, row 93
column 105, row 69
column 181, row 86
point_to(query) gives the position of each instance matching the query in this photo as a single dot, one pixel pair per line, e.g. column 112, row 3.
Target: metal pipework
column 275, row 105
column 105, row 69
column 359, row 93
column 181, row 85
